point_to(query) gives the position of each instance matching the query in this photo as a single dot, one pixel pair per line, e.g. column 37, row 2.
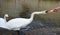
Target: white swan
column 17, row 23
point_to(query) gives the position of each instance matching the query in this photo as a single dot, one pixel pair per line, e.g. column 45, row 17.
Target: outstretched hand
column 54, row 10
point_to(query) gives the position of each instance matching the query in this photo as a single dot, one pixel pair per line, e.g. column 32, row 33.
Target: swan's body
column 13, row 25
column 2, row 21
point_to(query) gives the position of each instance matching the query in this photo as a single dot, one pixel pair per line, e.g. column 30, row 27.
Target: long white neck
column 32, row 15
column 5, row 18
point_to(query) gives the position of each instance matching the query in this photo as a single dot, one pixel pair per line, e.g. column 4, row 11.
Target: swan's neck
column 5, row 19
column 32, row 15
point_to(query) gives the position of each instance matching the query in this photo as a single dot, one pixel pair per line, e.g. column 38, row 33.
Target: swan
column 17, row 23
column 3, row 20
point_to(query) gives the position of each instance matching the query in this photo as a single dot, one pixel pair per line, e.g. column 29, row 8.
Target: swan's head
column 6, row 15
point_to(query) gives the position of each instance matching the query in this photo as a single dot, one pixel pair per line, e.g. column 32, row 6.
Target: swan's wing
column 2, row 21
column 18, row 22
